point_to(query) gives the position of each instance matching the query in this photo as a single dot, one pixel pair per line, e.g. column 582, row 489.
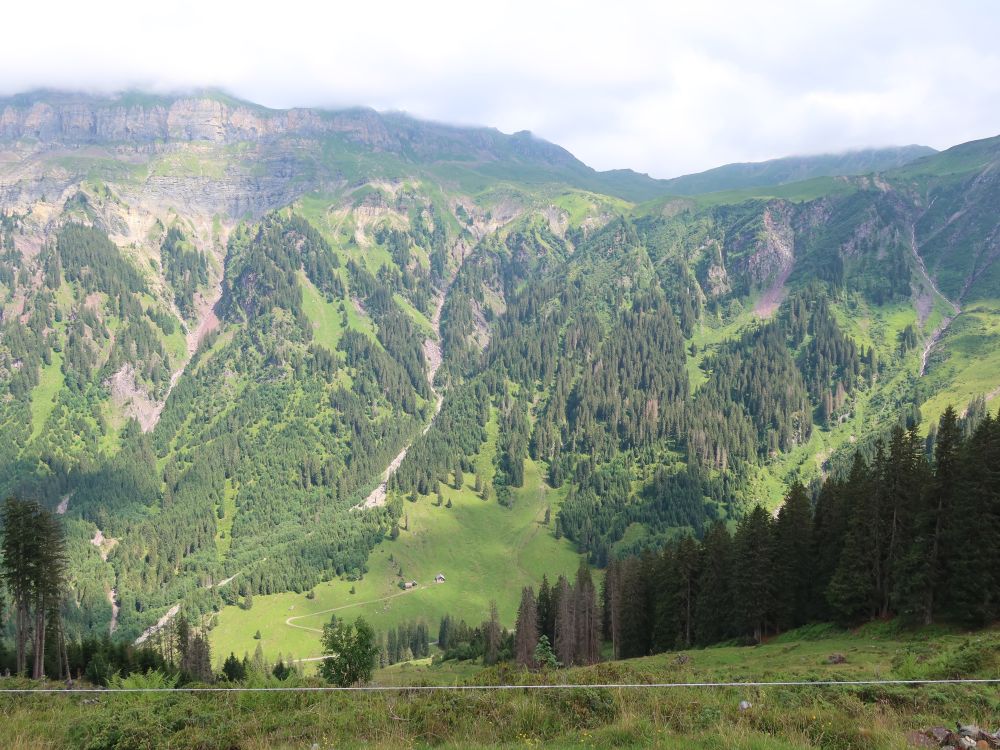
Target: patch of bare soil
column 103, row 543
column 206, row 321
column 772, row 298
column 116, row 609
column 132, row 400
column 206, row 317
column 481, row 328
column 558, row 220
column 432, row 354
column 154, row 629
column 63, row 504
column 925, row 303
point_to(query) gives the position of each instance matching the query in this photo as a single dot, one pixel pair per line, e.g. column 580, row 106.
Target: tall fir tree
column 611, row 605
column 565, row 621
column 546, row 614
column 926, row 568
column 20, row 559
column 793, row 551
column 829, row 532
column 635, row 606
column 526, row 630
column 852, row 592
column 34, row 568
column 904, row 477
column 974, row 565
column 755, row 589
column 492, row 633
column 587, row 618
column 713, row 617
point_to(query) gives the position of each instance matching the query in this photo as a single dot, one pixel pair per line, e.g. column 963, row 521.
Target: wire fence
column 560, row 686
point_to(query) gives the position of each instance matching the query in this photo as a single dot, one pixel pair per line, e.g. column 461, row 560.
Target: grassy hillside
column 966, row 361
column 794, row 169
column 486, row 552
column 779, row 718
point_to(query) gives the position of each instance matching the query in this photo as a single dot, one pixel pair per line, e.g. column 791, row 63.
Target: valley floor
column 485, row 551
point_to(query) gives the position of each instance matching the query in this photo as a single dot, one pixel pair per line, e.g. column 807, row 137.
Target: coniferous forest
column 731, row 411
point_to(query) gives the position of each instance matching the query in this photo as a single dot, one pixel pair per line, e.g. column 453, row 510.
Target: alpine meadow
column 309, row 398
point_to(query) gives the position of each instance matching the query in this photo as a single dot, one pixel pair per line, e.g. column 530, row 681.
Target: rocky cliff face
column 81, row 121
column 69, row 119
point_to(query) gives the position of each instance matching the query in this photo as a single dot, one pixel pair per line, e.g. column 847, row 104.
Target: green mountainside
column 794, row 169
column 267, row 364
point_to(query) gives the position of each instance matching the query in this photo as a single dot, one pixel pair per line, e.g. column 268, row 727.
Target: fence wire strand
column 559, row 686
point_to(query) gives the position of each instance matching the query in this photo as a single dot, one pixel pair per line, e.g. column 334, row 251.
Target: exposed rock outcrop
column 66, row 118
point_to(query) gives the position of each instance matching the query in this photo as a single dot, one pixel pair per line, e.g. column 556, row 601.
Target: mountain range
column 245, row 352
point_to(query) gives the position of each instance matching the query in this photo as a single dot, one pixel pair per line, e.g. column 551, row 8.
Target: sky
column 665, row 88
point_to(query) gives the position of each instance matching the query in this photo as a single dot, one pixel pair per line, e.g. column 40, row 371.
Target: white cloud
column 664, row 88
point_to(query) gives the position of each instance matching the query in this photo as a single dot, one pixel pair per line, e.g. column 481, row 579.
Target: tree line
column 902, row 535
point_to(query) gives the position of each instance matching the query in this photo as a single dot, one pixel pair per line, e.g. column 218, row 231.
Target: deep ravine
column 946, row 321
column 432, row 354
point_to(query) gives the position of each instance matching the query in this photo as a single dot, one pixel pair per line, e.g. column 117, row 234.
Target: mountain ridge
column 789, row 169
column 628, row 373
column 75, row 118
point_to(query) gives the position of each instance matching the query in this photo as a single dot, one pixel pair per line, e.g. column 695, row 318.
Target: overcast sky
column 662, row 87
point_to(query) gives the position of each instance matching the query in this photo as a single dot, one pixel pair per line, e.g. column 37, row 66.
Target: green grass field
column 879, row 650
column 418, row 318
column 224, row 526
column 43, row 396
column 966, row 361
column 485, row 551
column 872, row 717
column 327, row 322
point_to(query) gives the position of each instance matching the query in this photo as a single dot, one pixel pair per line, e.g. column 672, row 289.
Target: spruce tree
column 526, row 630
column 926, row 570
column 607, row 586
column 755, row 603
column 34, row 569
column 828, row 539
column 973, row 583
column 444, row 632
column 793, row 555
column 233, row 669
column 853, row 590
column 492, row 634
column 586, row 618
column 635, row 605
column 714, row 617
column 392, row 645
column 546, row 611
column 21, row 555
column 544, row 655
column 666, row 604
column 904, row 477
column 565, row 622
column 198, row 666
column 687, row 570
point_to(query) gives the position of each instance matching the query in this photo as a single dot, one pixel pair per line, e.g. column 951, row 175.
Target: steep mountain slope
column 268, row 155
column 219, row 320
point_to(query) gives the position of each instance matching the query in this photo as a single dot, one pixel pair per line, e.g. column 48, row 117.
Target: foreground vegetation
column 778, row 718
